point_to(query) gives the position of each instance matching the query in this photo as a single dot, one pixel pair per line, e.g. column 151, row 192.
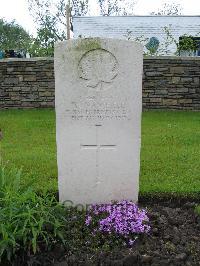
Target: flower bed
column 37, row 230
column 121, row 222
column 174, row 240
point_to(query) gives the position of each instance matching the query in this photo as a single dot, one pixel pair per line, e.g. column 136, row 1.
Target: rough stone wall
column 168, row 83
column 27, row 83
column 171, row 83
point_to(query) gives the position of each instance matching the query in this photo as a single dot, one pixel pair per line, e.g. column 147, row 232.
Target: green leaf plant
column 29, row 222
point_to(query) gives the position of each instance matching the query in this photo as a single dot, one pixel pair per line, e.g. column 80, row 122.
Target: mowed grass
column 170, row 155
column 29, row 143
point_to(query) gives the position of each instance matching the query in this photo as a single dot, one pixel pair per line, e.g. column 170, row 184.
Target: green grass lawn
column 170, row 156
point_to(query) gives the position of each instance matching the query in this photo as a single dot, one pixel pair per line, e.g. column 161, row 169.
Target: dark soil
column 174, row 240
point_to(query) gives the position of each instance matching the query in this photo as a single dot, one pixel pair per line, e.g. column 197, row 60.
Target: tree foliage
column 13, row 36
column 48, row 27
column 167, row 9
column 79, row 7
column 50, row 18
column 116, row 7
column 53, row 13
column 187, row 43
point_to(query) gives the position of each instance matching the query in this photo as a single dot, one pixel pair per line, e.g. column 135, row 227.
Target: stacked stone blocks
column 27, row 83
column 168, row 83
column 171, row 83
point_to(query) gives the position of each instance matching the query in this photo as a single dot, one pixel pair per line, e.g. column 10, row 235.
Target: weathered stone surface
column 186, row 79
column 98, row 117
column 175, row 80
column 31, row 69
column 10, row 69
column 30, row 78
column 180, row 80
column 177, row 69
column 185, row 100
column 155, row 100
column 169, row 101
column 22, row 80
column 11, row 80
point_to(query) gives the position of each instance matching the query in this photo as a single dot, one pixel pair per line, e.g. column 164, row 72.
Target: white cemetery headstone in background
column 98, row 117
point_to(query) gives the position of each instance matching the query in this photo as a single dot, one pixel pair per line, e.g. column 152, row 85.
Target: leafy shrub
column 152, row 45
column 197, row 210
column 29, row 222
column 187, row 43
column 118, row 223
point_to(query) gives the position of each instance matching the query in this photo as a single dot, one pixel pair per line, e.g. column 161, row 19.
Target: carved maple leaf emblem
column 98, row 67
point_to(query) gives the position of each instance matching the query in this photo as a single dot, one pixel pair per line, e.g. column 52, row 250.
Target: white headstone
column 98, row 117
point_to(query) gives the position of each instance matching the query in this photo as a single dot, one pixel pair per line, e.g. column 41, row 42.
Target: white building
column 142, row 27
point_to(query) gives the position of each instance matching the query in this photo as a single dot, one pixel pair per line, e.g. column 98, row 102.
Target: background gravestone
column 98, row 117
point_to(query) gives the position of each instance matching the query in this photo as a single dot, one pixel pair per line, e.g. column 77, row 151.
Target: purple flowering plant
column 118, row 222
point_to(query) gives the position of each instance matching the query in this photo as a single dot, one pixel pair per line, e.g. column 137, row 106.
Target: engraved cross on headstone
column 98, row 147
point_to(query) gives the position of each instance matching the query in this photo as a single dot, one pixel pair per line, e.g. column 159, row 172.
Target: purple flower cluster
column 123, row 218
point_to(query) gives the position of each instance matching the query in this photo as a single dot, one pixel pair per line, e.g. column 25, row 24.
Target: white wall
column 147, row 26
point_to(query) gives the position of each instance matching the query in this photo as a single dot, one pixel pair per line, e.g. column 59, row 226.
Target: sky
column 18, row 10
